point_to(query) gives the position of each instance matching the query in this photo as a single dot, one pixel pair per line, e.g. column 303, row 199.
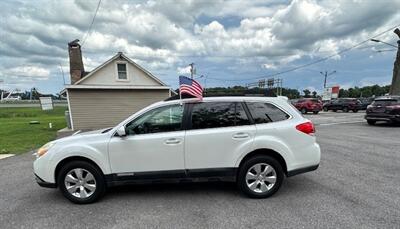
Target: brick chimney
column 76, row 68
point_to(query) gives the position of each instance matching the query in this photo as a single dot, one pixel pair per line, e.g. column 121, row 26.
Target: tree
column 314, row 94
column 306, row 93
column 367, row 91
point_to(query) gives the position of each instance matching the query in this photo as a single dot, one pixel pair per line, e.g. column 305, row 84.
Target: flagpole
column 180, row 96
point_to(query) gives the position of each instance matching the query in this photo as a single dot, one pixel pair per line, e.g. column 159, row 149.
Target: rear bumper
column 383, row 117
column 43, row 183
column 302, row 170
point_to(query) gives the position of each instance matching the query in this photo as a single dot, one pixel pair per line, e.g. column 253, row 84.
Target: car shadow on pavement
column 386, row 124
column 290, row 187
column 165, row 188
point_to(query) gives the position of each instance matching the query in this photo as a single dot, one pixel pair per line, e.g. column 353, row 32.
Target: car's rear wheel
column 315, row 112
column 355, row 110
column 304, row 111
column 325, row 109
column 345, row 109
column 260, row 177
column 371, row 122
column 81, row 182
column 334, row 110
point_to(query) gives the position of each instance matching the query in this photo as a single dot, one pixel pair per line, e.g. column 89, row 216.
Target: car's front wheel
column 371, row 122
column 304, row 110
column 260, row 176
column 81, row 182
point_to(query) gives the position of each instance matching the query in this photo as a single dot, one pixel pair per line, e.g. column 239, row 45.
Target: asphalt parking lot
column 356, row 186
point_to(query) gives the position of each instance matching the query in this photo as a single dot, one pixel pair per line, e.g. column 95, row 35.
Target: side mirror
column 121, row 131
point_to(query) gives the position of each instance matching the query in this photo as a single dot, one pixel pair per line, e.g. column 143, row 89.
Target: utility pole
column 1, row 97
column 395, row 87
column 62, row 72
column 326, row 74
column 192, row 70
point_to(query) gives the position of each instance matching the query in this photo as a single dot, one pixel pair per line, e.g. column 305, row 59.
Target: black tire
column 97, row 174
column 315, row 112
column 371, row 122
column 241, row 181
column 326, row 109
column 303, row 110
column 345, row 109
column 334, row 110
column 355, row 110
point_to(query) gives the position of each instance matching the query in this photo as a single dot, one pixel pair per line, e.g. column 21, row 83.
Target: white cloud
column 28, row 71
column 183, row 70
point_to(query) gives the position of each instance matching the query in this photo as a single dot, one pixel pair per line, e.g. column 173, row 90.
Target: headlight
column 43, row 150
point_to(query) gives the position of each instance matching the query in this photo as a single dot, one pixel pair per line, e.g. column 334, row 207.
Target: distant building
column 111, row 92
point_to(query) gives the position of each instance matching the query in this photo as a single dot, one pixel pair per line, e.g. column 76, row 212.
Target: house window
column 122, row 71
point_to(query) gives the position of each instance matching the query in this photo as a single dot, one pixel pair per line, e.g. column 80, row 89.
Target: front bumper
column 43, row 183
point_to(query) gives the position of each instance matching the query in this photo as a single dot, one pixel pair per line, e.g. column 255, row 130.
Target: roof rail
column 176, row 97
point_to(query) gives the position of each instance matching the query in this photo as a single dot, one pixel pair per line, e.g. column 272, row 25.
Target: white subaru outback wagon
column 253, row 141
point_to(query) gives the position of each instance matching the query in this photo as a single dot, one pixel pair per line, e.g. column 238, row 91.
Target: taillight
column 307, row 128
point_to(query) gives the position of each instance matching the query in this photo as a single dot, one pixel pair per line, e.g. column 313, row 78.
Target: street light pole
column 383, row 42
column 395, row 87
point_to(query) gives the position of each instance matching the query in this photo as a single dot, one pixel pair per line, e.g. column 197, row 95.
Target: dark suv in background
column 308, row 105
column 344, row 104
column 384, row 109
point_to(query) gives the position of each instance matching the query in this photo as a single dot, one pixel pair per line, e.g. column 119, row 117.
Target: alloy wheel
column 261, row 178
column 80, row 183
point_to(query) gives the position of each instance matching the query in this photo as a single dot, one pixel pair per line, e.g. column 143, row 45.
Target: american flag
column 190, row 86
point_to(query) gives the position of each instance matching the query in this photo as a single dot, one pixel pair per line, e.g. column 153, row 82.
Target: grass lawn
column 18, row 136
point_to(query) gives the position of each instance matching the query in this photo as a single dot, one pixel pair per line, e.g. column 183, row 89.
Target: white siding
column 95, row 109
column 107, row 75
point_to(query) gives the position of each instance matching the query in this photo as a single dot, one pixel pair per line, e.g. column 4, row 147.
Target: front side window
column 122, row 72
column 162, row 119
column 218, row 114
column 266, row 112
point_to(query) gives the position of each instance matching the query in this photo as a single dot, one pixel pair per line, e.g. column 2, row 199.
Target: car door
column 217, row 132
column 154, row 142
column 335, row 105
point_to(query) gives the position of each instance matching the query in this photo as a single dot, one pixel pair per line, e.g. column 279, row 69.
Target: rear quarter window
column 266, row 112
column 385, row 102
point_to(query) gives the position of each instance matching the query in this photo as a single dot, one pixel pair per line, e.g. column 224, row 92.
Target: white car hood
column 90, row 132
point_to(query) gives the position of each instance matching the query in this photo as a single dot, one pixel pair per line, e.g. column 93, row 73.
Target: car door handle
column 241, row 135
column 172, row 141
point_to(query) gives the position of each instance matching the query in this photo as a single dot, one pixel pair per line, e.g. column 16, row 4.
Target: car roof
column 224, row 99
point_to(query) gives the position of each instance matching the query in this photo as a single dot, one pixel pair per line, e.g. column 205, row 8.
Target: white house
column 111, row 92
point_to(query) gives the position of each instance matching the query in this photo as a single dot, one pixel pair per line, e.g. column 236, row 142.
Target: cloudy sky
column 231, row 42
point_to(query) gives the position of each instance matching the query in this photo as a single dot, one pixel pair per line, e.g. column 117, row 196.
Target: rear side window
column 386, row 102
column 218, row 114
column 266, row 112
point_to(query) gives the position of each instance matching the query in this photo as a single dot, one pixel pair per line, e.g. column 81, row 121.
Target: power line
column 314, row 62
column 91, row 24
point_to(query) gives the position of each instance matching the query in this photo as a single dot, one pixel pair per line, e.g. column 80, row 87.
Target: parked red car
column 308, row 105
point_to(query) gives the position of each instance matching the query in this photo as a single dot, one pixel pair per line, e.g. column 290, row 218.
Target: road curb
column 3, row 156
